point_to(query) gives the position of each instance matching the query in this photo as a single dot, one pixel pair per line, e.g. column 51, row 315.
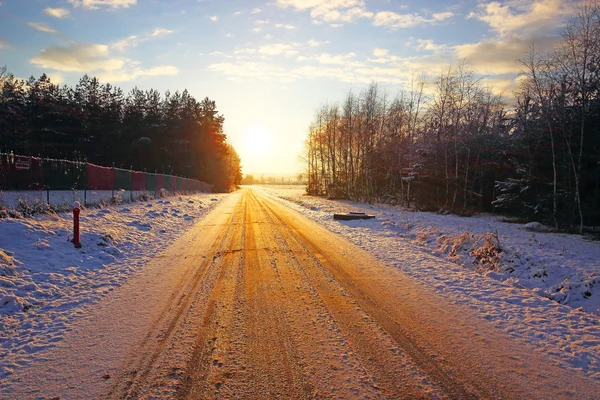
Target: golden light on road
column 257, row 141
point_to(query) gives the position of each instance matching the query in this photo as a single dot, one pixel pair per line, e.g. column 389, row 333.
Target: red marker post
column 76, row 212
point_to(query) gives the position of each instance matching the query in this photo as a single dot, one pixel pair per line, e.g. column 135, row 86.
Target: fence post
column 76, row 212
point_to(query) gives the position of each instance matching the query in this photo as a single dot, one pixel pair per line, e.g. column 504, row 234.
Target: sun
column 257, row 140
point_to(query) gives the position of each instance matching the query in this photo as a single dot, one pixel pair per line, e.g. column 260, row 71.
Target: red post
column 76, row 211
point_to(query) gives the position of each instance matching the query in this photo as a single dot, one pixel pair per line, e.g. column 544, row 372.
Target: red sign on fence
column 22, row 163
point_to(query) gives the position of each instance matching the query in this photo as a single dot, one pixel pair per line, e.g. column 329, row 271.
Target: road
column 260, row 303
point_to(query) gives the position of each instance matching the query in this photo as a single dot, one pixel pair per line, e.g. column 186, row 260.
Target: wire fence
column 26, row 181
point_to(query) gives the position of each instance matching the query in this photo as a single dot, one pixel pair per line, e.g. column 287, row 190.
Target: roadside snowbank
column 46, row 284
column 539, row 286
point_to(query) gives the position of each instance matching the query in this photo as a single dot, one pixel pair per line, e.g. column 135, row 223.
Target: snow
column 46, row 284
column 535, row 285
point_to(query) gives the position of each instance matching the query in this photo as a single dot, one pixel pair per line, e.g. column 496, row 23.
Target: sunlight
column 257, row 141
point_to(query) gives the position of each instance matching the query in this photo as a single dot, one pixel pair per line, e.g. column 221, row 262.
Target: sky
column 270, row 64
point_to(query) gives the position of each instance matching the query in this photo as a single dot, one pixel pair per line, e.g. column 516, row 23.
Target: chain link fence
column 30, row 181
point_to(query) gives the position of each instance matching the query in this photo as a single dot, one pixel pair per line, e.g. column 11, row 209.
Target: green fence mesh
column 151, row 182
column 61, row 175
column 123, row 179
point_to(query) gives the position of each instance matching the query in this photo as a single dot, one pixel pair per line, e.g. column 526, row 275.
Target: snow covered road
column 257, row 301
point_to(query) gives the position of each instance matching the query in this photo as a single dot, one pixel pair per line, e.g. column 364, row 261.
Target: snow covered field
column 46, row 284
column 542, row 287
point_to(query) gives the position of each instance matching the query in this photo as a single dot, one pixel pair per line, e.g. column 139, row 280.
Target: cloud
column 500, row 56
column 315, row 43
column 380, row 52
column 252, row 70
column 277, row 49
column 255, row 11
column 237, row 13
column 336, row 59
column 57, row 12
column 161, row 32
column 95, row 59
column 214, row 18
column 329, row 10
column 286, row 26
column 122, row 44
column 77, row 57
column 523, row 16
column 261, row 22
column 229, row 34
column 56, row 78
column 96, row 4
column 337, row 11
column 133, row 72
column 240, row 71
column 40, row 26
column 134, row 40
column 393, row 20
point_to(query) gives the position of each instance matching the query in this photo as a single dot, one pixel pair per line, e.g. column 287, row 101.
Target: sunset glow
column 257, row 142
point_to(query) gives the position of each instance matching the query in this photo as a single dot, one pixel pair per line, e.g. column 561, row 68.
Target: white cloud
column 393, row 20
column 524, row 16
column 268, row 36
column 40, row 26
column 500, row 56
column 377, row 52
column 329, row 10
column 229, row 34
column 252, row 70
column 161, row 32
column 315, row 43
column 96, row 59
column 277, row 49
column 255, row 11
column 336, row 59
column 134, row 72
column 57, row 12
column 429, row 45
column 286, row 26
column 78, row 58
column 96, row 4
column 134, row 40
column 261, row 22
column 214, row 18
column 237, row 13
column 337, row 11
column 56, row 78
column 122, row 44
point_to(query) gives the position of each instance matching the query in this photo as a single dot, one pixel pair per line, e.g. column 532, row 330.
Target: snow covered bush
column 487, row 254
column 481, row 252
column 37, row 206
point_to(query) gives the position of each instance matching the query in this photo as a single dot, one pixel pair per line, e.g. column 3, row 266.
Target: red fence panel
column 100, row 178
column 173, row 183
column 139, row 180
column 25, row 173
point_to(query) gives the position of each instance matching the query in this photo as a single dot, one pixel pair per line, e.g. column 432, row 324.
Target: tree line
column 451, row 144
column 99, row 123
